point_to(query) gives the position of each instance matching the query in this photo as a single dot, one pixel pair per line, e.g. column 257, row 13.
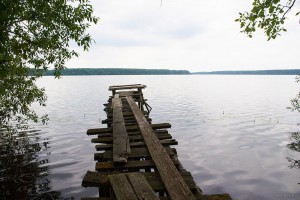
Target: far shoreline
column 131, row 71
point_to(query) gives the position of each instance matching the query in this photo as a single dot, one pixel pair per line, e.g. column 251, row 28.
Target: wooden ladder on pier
column 137, row 161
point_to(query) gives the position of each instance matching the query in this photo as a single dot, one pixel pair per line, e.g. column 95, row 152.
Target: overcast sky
column 196, row 35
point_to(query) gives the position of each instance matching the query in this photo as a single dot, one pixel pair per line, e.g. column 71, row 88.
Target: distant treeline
column 256, row 72
column 116, row 71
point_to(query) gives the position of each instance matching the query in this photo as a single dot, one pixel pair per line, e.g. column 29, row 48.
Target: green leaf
column 268, row 15
column 34, row 36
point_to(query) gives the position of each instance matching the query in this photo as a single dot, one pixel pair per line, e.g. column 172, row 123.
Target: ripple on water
column 232, row 137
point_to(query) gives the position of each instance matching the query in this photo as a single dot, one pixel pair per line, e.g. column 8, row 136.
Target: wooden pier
column 135, row 159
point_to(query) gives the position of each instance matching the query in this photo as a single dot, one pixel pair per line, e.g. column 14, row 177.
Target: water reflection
column 293, row 163
column 24, row 166
column 295, row 141
column 295, row 146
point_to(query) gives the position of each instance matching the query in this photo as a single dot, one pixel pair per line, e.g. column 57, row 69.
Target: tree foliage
column 295, row 102
column 268, row 15
column 37, row 34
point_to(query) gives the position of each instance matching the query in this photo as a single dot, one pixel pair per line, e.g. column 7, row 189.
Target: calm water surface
column 234, row 132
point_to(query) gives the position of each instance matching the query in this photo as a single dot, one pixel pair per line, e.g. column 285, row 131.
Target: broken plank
column 141, row 187
column 121, row 187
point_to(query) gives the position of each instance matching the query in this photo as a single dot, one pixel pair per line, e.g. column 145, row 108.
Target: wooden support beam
column 126, row 119
column 133, row 133
column 96, row 131
column 121, row 147
column 135, row 153
column 168, row 142
column 175, row 184
column 132, row 138
column 132, row 164
column 127, row 114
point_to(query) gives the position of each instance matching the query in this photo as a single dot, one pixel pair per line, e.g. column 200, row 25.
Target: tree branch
column 288, row 10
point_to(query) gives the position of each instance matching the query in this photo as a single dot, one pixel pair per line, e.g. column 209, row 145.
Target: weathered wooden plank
column 157, row 131
column 114, row 86
column 126, row 123
column 131, row 138
column 96, row 131
column 125, row 93
column 97, row 179
column 124, row 87
column 121, row 147
column 100, row 147
column 128, row 119
column 131, row 164
column 134, row 164
column 137, row 132
column 175, row 184
column 127, row 114
column 132, row 133
column 122, row 187
column 141, row 187
column 135, row 153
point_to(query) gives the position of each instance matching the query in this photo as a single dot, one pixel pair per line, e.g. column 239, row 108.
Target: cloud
column 192, row 35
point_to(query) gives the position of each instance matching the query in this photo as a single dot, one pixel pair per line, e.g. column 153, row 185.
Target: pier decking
column 136, row 160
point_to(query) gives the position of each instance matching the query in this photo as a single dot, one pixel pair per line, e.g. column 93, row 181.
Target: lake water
column 233, row 132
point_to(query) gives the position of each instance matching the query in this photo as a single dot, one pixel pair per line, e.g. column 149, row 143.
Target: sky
column 194, row 35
